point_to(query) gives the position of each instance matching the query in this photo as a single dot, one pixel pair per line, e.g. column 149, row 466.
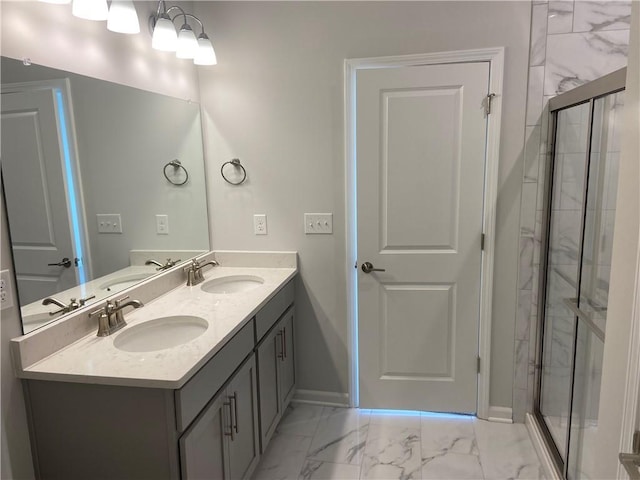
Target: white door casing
column 40, row 150
column 397, row 291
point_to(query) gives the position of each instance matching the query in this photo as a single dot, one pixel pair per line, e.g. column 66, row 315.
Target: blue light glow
column 416, row 413
column 73, row 202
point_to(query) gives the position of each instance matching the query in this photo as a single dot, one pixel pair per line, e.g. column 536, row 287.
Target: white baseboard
column 318, row 397
column 549, row 466
column 500, row 414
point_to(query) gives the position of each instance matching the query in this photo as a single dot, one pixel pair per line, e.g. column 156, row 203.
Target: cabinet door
column 243, row 444
column 287, row 364
column 202, row 451
column 269, row 353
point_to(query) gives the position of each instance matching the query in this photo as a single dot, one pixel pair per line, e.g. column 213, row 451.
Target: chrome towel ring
column 176, row 166
column 236, row 163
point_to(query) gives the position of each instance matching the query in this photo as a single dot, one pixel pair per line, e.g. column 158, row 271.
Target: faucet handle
column 82, row 301
column 103, row 321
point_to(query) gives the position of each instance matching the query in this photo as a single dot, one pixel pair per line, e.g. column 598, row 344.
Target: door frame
column 71, row 167
column 495, row 57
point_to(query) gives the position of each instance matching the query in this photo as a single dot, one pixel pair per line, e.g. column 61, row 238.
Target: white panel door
column 36, row 197
column 421, row 136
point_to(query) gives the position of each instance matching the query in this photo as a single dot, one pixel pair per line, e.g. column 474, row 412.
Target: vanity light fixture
column 123, row 17
column 90, row 9
column 184, row 43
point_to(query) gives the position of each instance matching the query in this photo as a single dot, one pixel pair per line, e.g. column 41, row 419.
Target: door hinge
column 482, row 242
column 478, row 364
column 487, row 103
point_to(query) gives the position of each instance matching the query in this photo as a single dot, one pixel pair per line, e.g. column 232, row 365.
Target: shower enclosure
column 578, row 216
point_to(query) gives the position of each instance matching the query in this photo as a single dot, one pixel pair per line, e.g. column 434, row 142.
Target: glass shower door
column 581, row 213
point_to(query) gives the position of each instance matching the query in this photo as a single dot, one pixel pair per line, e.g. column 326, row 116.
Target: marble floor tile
column 284, row 458
column 451, row 466
column 300, row 419
column 317, row 470
column 341, row 436
column 506, row 451
column 392, row 452
column 351, row 444
column 442, row 435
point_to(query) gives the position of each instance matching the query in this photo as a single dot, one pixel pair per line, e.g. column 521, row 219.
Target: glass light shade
column 57, row 2
column 187, row 43
column 123, row 17
column 90, row 9
column 165, row 37
column 205, row 55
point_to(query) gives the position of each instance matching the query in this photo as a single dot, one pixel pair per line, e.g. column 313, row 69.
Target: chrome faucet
column 73, row 304
column 194, row 271
column 168, row 264
column 111, row 317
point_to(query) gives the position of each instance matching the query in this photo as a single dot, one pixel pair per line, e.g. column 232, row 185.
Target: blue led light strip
column 73, row 202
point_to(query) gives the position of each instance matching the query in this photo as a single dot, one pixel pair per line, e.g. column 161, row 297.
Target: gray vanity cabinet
column 210, row 428
column 277, row 374
column 222, row 443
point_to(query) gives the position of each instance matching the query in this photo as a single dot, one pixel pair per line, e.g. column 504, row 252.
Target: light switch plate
column 6, row 297
column 162, row 224
column 318, row 223
column 260, row 224
column 109, row 223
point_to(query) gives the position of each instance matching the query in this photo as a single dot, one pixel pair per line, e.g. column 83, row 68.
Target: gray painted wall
column 275, row 100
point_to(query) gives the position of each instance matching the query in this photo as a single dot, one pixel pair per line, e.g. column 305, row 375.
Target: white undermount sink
column 125, row 281
column 160, row 333
column 232, row 284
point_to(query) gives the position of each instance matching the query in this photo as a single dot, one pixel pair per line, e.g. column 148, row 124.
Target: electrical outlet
column 6, row 297
column 260, row 224
column 109, row 223
column 162, row 224
column 318, row 223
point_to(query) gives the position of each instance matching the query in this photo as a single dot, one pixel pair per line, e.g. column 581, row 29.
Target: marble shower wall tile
column 524, row 315
column 522, row 364
column 583, row 40
column 532, row 153
column 591, row 16
column 560, row 17
column 576, row 58
column 528, row 210
column 538, row 34
column 534, row 95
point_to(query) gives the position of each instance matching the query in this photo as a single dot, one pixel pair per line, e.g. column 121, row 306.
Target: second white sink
column 232, row 284
column 160, row 333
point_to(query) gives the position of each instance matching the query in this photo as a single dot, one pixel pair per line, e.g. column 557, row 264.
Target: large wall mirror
column 98, row 180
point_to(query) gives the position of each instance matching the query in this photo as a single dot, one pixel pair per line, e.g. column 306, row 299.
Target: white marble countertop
column 96, row 360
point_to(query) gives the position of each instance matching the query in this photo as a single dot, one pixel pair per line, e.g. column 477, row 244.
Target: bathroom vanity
column 121, row 407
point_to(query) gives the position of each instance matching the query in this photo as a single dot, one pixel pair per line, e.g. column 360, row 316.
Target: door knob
column 367, row 267
column 65, row 262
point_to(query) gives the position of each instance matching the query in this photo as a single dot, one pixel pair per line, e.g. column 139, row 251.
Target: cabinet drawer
column 272, row 311
column 195, row 394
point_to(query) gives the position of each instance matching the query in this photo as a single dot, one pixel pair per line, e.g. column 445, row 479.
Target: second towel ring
column 176, row 165
column 236, row 163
